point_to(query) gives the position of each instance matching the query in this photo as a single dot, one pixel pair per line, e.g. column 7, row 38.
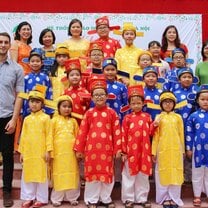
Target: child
column 58, row 71
column 154, row 48
column 94, row 69
column 127, row 56
column 187, row 91
column 65, row 177
column 151, row 92
column 144, row 60
column 114, row 87
column 36, row 77
column 96, row 56
column 167, row 151
column 136, row 151
column 35, row 147
column 179, row 61
column 103, row 28
column 98, row 141
column 73, row 71
column 197, row 143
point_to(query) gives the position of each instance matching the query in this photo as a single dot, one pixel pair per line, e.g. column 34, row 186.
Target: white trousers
column 32, row 191
column 170, row 192
column 98, row 191
column 134, row 188
column 66, row 195
column 199, row 180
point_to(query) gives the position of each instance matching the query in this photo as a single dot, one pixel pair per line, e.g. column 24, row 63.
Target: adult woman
column 20, row 48
column 202, row 68
column 78, row 46
column 170, row 41
column 47, row 38
column 19, row 51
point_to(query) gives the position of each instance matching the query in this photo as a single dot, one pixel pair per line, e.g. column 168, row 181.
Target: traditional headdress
column 72, row 64
column 38, row 93
column 128, row 26
column 103, row 21
column 62, row 49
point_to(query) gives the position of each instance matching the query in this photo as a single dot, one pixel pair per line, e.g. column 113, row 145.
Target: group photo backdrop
column 152, row 25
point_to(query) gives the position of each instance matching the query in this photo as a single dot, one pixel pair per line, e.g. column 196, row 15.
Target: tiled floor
column 187, row 204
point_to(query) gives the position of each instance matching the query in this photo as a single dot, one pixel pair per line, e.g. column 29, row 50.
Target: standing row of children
column 100, row 138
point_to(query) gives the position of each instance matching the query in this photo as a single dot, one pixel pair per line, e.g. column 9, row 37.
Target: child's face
column 103, row 31
column 74, row 77
column 35, row 105
column 110, row 72
column 171, row 34
column 99, row 97
column 168, row 105
column 186, row 80
column 129, row 37
column 179, row 60
column 96, row 57
column 136, row 103
column 155, row 50
column 35, row 63
column 61, row 59
column 65, row 108
column 203, row 101
column 150, row 79
column 145, row 61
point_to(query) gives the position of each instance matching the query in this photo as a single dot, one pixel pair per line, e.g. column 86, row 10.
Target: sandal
column 27, row 204
column 166, row 204
column 129, row 204
column 38, row 204
column 146, row 204
column 74, row 203
column 197, row 202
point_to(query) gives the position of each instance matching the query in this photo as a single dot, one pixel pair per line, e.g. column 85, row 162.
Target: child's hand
column 79, row 156
column 156, row 121
column 21, row 158
column 123, row 157
column 47, row 157
column 189, row 154
column 125, row 81
column 118, row 155
column 154, row 158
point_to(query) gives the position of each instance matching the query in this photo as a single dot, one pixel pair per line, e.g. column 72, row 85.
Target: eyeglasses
column 168, row 101
column 178, row 57
column 96, row 55
column 99, row 95
column 145, row 59
column 102, row 28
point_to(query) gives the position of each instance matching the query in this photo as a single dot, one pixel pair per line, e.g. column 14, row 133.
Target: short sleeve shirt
column 12, row 82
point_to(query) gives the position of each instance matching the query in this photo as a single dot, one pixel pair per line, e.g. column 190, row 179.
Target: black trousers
column 7, row 148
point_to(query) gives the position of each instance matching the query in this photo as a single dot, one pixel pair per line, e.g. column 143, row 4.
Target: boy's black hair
column 154, row 42
column 130, row 97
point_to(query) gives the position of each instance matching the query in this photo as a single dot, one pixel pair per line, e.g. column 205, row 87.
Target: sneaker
column 7, row 199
